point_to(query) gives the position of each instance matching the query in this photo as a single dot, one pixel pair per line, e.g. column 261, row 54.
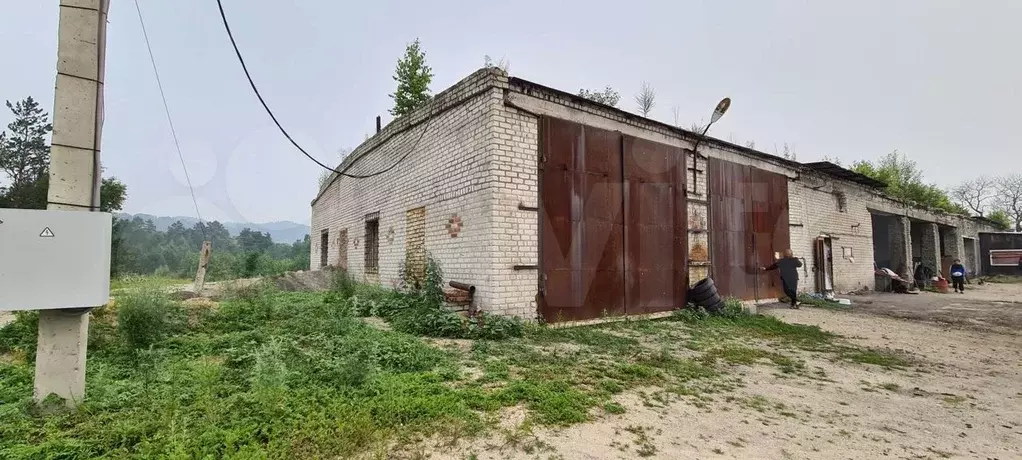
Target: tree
column 24, row 152
column 324, row 177
column 975, row 194
column 25, row 158
column 33, row 195
column 787, row 152
column 112, row 194
column 413, row 77
column 904, row 181
column 1009, row 199
column 1001, row 218
column 254, row 241
column 646, row 99
column 607, row 97
column 676, row 112
column 504, row 65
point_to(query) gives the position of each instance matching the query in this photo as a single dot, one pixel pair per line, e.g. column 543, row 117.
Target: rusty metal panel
column 582, row 239
column 559, row 141
column 601, row 226
column 656, row 233
column 749, row 224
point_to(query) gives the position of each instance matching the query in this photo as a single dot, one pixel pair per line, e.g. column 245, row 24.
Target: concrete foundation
column 60, row 355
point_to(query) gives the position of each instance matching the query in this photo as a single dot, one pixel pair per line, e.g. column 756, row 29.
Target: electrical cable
column 251, row 82
column 170, row 121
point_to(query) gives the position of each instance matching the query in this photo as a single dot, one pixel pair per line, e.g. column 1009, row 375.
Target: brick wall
column 514, row 170
column 472, row 165
column 822, row 206
column 929, row 245
column 447, row 171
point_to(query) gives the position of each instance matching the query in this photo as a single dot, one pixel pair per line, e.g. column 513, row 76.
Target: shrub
column 732, row 308
column 421, row 310
column 693, row 313
column 145, row 314
column 163, row 272
column 343, row 284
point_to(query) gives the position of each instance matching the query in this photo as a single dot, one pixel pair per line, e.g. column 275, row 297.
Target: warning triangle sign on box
column 46, row 233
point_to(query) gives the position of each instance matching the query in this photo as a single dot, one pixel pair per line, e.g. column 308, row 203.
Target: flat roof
column 684, row 132
column 836, row 170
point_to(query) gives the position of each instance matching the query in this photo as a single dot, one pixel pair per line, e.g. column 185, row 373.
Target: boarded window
column 372, row 246
column 415, row 244
column 342, row 249
column 324, row 247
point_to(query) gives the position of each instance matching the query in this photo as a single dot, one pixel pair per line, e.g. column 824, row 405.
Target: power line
column 283, row 131
column 170, row 121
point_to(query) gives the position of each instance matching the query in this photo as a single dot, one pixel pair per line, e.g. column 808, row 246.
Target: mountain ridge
column 281, row 231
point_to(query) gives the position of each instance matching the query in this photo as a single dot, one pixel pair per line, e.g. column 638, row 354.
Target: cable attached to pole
column 251, row 82
column 170, row 121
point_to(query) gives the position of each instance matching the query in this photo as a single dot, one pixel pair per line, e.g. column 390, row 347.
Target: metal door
column 656, row 230
column 748, row 225
column 592, row 263
column 582, row 227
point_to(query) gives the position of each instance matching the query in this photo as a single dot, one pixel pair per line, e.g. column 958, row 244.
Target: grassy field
column 271, row 374
column 120, row 284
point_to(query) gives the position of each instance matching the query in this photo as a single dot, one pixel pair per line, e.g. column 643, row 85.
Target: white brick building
column 465, row 181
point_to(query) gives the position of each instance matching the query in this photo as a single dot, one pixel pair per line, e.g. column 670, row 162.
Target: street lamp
column 718, row 112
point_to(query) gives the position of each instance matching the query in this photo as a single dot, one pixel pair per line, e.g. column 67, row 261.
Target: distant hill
column 280, row 232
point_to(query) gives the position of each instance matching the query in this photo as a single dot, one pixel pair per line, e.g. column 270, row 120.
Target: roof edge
column 689, row 135
column 484, row 78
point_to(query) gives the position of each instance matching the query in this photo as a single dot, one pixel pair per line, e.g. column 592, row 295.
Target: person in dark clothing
column 958, row 276
column 788, row 266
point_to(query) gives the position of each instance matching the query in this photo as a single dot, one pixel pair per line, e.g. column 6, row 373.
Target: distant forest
column 140, row 249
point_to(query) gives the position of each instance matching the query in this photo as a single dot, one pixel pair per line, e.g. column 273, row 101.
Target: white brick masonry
column 472, row 153
column 815, row 210
column 447, row 171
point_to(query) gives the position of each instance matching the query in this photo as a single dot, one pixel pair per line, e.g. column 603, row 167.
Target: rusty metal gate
column 613, row 227
column 748, row 227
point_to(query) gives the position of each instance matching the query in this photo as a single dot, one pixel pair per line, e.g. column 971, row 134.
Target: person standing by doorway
column 788, row 266
column 958, row 276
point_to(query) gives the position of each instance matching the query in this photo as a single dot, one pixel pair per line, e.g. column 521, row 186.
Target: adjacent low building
column 561, row 208
column 1000, row 253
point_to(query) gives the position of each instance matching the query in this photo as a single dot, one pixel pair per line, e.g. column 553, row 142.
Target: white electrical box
column 54, row 259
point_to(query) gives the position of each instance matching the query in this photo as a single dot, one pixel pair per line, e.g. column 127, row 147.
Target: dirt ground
column 991, row 307
column 962, row 400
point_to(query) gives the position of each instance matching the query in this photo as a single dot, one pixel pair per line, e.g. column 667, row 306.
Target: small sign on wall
column 1005, row 257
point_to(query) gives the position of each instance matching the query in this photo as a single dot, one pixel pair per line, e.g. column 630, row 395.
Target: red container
column 941, row 286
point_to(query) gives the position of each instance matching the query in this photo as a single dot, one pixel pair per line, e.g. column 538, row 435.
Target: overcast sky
column 937, row 80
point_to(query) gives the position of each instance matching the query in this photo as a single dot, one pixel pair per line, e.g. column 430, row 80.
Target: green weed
column 20, row 336
column 145, row 315
column 613, row 408
column 874, row 356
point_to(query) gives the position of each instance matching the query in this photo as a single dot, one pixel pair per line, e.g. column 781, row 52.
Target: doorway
column 324, row 247
column 971, row 265
column 824, row 264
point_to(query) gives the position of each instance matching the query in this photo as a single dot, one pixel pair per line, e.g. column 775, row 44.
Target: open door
column 823, row 266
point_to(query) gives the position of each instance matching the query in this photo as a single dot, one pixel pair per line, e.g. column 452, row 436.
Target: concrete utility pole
column 200, row 274
column 74, row 181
